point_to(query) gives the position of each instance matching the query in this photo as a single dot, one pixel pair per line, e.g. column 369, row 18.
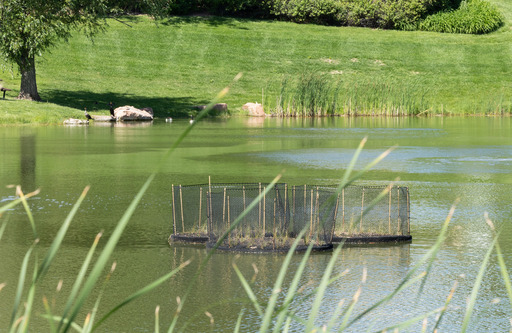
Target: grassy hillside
column 186, row 61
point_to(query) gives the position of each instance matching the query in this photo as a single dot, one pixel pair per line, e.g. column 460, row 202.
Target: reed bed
column 317, row 94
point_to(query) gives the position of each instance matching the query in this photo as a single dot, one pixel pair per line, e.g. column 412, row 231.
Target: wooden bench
column 4, row 90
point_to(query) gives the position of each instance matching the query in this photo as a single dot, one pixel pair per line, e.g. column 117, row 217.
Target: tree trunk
column 28, row 88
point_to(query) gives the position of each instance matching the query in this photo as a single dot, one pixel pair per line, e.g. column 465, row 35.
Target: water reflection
column 28, row 162
column 132, row 124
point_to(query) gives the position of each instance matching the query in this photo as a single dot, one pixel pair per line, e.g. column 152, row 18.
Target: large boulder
column 130, row 113
column 254, row 109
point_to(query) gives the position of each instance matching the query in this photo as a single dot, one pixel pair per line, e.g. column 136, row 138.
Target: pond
column 439, row 159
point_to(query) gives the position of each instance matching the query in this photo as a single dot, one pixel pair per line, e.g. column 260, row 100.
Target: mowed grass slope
column 181, row 62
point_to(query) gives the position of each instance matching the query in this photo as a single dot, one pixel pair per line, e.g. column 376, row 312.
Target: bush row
column 472, row 16
column 376, row 14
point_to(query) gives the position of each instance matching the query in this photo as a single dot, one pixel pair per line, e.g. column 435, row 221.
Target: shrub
column 472, row 17
column 384, row 14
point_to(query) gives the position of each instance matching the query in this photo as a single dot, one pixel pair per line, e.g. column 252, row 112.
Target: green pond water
column 439, row 159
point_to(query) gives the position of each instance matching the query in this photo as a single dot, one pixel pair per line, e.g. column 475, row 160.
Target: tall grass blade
column 2, row 229
column 88, row 325
column 16, row 202
column 503, row 267
column 321, row 290
column 141, row 292
column 360, row 173
column 49, row 314
column 445, row 307
column 377, row 199
column 248, row 290
column 73, row 325
column 21, row 284
column 239, row 321
column 335, row 315
column 23, row 199
column 57, row 241
column 352, row 163
column 79, row 279
column 292, row 290
column 29, row 302
column 276, row 290
column 432, row 253
column 504, row 272
column 408, row 323
column 157, row 319
column 476, row 287
column 403, row 285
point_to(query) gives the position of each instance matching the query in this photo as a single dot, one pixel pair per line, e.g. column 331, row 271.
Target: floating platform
column 193, row 238
column 372, row 239
column 202, row 213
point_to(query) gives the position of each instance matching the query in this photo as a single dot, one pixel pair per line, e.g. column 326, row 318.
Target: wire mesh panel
column 312, row 208
column 373, row 210
column 189, row 209
column 268, row 219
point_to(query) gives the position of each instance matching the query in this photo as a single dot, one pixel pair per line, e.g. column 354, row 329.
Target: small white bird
column 168, row 120
column 191, row 119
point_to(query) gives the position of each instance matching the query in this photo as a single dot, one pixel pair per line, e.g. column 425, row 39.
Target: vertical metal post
column 243, row 194
column 173, row 211
column 398, row 227
column 389, row 213
column 274, row 231
column 229, row 226
column 335, row 216
column 200, row 205
column 224, row 208
column 210, row 210
column 181, row 205
column 408, row 213
column 316, row 226
column 362, row 210
column 259, row 206
column 285, row 204
column 343, row 210
column 311, row 217
column 264, row 211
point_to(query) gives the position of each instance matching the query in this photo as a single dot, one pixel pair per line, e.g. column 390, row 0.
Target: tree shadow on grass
column 99, row 102
column 210, row 20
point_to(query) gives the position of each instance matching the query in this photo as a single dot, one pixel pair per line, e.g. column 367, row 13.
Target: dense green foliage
column 472, row 17
column 479, row 16
column 376, row 14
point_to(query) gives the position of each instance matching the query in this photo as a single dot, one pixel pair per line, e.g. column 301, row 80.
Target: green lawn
column 187, row 61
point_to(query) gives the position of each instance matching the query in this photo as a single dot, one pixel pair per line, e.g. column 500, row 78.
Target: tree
column 30, row 27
